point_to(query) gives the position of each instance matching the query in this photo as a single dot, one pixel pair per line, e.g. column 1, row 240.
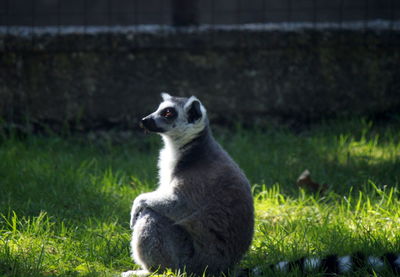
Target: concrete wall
column 300, row 76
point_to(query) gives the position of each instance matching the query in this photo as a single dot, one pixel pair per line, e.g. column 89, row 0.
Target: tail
column 334, row 264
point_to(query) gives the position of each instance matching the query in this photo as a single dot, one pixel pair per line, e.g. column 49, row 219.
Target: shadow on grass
column 71, row 198
column 72, row 181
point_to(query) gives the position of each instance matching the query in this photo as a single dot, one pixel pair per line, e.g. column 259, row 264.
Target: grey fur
column 201, row 217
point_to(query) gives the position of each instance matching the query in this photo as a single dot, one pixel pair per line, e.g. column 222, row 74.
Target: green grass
column 65, row 202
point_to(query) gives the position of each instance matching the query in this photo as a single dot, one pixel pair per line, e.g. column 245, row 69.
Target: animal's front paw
column 138, row 206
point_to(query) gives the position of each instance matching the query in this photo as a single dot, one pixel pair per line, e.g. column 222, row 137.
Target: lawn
column 65, row 200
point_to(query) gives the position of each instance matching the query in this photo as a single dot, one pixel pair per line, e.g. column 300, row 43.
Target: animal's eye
column 168, row 113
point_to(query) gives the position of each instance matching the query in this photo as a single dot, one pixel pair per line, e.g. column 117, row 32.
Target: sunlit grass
column 64, row 202
column 293, row 227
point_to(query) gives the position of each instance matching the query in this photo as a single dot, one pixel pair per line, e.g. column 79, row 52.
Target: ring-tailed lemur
column 201, row 217
column 334, row 265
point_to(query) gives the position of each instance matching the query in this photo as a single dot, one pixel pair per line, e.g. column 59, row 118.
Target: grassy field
column 65, row 201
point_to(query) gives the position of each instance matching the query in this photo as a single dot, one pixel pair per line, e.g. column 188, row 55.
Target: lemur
column 201, row 216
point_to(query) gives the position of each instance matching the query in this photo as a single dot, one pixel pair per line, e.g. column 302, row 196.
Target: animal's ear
column 165, row 96
column 193, row 109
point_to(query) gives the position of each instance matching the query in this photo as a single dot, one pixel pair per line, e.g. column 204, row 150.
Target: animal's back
column 222, row 227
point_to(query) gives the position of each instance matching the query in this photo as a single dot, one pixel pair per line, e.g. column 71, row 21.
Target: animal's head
column 177, row 117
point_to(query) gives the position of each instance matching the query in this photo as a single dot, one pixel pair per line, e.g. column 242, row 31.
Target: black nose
column 145, row 122
column 149, row 124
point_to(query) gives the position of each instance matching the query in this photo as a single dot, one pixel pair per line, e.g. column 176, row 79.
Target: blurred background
column 179, row 12
column 101, row 64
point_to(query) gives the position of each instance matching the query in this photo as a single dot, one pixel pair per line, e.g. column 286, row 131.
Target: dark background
column 131, row 12
column 102, row 64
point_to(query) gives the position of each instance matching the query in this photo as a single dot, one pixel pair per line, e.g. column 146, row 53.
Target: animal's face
column 176, row 116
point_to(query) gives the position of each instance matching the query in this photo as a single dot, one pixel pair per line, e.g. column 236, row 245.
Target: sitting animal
column 201, row 216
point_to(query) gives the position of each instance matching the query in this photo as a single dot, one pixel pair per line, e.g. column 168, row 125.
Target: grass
column 65, row 201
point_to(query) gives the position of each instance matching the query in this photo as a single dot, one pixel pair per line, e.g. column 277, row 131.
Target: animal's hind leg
column 159, row 244
column 135, row 273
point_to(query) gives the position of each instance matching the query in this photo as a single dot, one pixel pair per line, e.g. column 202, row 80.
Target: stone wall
column 254, row 76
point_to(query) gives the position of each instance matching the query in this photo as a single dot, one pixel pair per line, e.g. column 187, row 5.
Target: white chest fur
column 168, row 159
